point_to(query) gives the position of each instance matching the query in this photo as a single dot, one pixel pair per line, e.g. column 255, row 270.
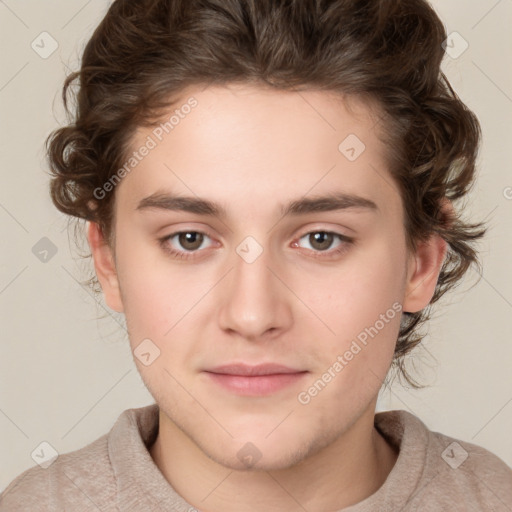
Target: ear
column 424, row 267
column 104, row 266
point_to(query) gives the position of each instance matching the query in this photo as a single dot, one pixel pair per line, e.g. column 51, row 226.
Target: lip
column 253, row 370
column 259, row 380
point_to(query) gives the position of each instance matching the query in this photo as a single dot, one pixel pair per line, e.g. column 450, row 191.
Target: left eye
column 321, row 241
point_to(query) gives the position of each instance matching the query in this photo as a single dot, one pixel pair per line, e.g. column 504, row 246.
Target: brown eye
column 185, row 244
column 321, row 243
column 190, row 240
column 321, row 240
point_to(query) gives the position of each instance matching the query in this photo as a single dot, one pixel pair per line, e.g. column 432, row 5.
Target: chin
column 242, row 461
column 260, row 453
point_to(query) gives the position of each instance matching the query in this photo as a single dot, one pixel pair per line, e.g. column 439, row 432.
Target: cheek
column 166, row 303
column 361, row 305
column 354, row 295
column 153, row 294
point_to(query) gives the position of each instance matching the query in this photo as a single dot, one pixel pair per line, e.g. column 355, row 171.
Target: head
column 253, row 107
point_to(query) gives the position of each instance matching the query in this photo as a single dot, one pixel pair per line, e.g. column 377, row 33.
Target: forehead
column 241, row 143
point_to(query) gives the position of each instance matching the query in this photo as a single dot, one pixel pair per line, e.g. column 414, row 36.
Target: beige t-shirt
column 433, row 473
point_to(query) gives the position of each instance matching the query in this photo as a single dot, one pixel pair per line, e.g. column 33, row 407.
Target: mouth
column 259, row 380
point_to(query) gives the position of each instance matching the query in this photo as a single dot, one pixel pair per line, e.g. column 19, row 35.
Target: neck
column 344, row 473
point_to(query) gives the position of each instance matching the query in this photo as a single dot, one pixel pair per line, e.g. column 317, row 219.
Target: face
column 269, row 276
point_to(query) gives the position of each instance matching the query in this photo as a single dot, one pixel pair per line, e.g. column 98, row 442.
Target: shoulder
column 450, row 472
column 472, row 469
column 92, row 477
column 82, row 477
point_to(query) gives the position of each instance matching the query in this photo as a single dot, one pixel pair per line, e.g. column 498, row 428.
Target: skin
column 251, row 150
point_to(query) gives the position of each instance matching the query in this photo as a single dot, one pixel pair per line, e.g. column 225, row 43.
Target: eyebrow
column 199, row 206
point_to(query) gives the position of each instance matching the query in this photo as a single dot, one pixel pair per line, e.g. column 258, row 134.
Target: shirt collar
column 141, row 484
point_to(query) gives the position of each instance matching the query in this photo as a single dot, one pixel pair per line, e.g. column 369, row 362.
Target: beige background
column 65, row 375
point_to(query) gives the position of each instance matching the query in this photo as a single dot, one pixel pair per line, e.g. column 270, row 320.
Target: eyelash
column 185, row 255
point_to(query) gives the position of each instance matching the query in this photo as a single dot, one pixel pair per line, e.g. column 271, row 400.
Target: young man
column 270, row 193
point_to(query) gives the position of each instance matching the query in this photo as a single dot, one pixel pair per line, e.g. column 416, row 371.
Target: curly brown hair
column 144, row 54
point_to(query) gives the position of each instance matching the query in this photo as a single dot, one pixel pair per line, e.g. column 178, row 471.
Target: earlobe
column 104, row 266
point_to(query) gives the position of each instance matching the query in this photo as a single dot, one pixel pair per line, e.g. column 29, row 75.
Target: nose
column 254, row 302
